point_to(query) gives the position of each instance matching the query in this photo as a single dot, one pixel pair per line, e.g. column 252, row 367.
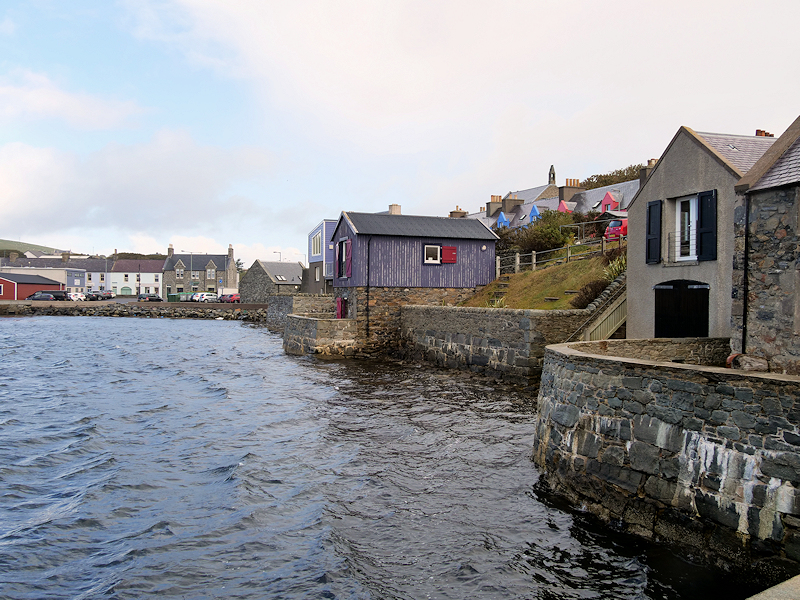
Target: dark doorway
column 681, row 309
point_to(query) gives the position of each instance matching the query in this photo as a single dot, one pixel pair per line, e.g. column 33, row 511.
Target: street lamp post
column 279, row 255
column 191, row 260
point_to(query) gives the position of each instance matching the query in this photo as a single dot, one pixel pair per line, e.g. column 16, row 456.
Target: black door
column 681, row 309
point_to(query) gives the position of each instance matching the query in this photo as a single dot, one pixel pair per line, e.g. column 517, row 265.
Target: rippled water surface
column 193, row 459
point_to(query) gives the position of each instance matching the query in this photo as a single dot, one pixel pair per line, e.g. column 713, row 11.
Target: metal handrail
column 600, row 309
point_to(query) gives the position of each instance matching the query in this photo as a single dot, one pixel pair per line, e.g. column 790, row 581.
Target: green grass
column 530, row 288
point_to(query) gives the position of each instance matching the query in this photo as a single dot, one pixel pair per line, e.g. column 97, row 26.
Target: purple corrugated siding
column 397, row 262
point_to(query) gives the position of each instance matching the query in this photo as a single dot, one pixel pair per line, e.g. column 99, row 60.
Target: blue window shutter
column 707, row 225
column 653, row 233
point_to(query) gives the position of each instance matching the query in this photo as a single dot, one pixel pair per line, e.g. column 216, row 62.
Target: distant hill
column 22, row 247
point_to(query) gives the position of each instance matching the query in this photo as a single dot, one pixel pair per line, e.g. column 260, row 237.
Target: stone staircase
column 502, row 288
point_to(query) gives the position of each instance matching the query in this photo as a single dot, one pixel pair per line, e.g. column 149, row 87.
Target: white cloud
column 415, row 77
column 170, row 184
column 30, row 96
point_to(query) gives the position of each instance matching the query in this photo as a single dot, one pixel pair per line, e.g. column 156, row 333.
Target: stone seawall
column 704, row 457
column 507, row 344
column 169, row 310
column 376, row 311
column 329, row 338
column 279, row 307
column 273, row 314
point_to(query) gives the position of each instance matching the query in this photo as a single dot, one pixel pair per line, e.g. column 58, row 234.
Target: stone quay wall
column 704, row 457
column 326, row 338
column 507, row 344
column 376, row 311
column 273, row 314
column 169, row 310
column 280, row 307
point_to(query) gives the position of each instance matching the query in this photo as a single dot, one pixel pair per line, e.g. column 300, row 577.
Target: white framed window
column 316, row 244
column 125, row 277
column 88, row 277
column 102, row 277
column 178, row 273
column 146, row 290
column 316, row 273
column 138, row 278
column 195, row 274
column 433, row 255
column 211, row 273
column 156, row 277
column 1, row 289
column 686, row 228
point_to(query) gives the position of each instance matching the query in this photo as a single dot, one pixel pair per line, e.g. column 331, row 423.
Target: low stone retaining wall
column 324, row 337
column 279, row 307
column 704, row 457
column 504, row 343
column 169, row 310
column 272, row 314
column 507, row 344
column 709, row 352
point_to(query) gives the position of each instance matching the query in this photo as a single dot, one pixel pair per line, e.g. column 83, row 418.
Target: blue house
column 319, row 278
column 383, row 261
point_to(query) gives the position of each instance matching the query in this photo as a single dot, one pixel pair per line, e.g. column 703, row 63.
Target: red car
column 232, row 298
column 616, row 229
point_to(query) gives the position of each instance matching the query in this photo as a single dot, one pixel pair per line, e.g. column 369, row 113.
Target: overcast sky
column 134, row 124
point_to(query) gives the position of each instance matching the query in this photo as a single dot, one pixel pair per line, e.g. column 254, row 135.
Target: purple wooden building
column 383, row 250
column 384, row 261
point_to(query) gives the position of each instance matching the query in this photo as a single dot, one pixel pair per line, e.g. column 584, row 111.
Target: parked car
column 54, row 295
column 207, row 297
column 90, row 295
column 148, row 298
column 77, row 296
column 41, row 296
column 235, row 298
column 106, row 295
column 617, row 229
column 195, row 297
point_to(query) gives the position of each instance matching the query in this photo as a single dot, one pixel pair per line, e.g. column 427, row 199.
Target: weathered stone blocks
column 712, row 462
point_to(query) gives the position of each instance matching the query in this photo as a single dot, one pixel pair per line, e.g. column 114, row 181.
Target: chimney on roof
column 566, row 192
column 510, row 202
column 458, row 213
column 493, row 205
column 230, row 251
column 394, row 209
column 65, row 257
column 644, row 172
column 762, row 133
column 170, row 251
column 13, row 256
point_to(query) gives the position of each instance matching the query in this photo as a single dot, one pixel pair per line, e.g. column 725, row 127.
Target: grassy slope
column 529, row 289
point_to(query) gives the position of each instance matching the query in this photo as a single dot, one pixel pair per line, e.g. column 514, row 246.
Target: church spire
column 552, row 176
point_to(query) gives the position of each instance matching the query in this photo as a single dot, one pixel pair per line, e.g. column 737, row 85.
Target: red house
column 16, row 286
